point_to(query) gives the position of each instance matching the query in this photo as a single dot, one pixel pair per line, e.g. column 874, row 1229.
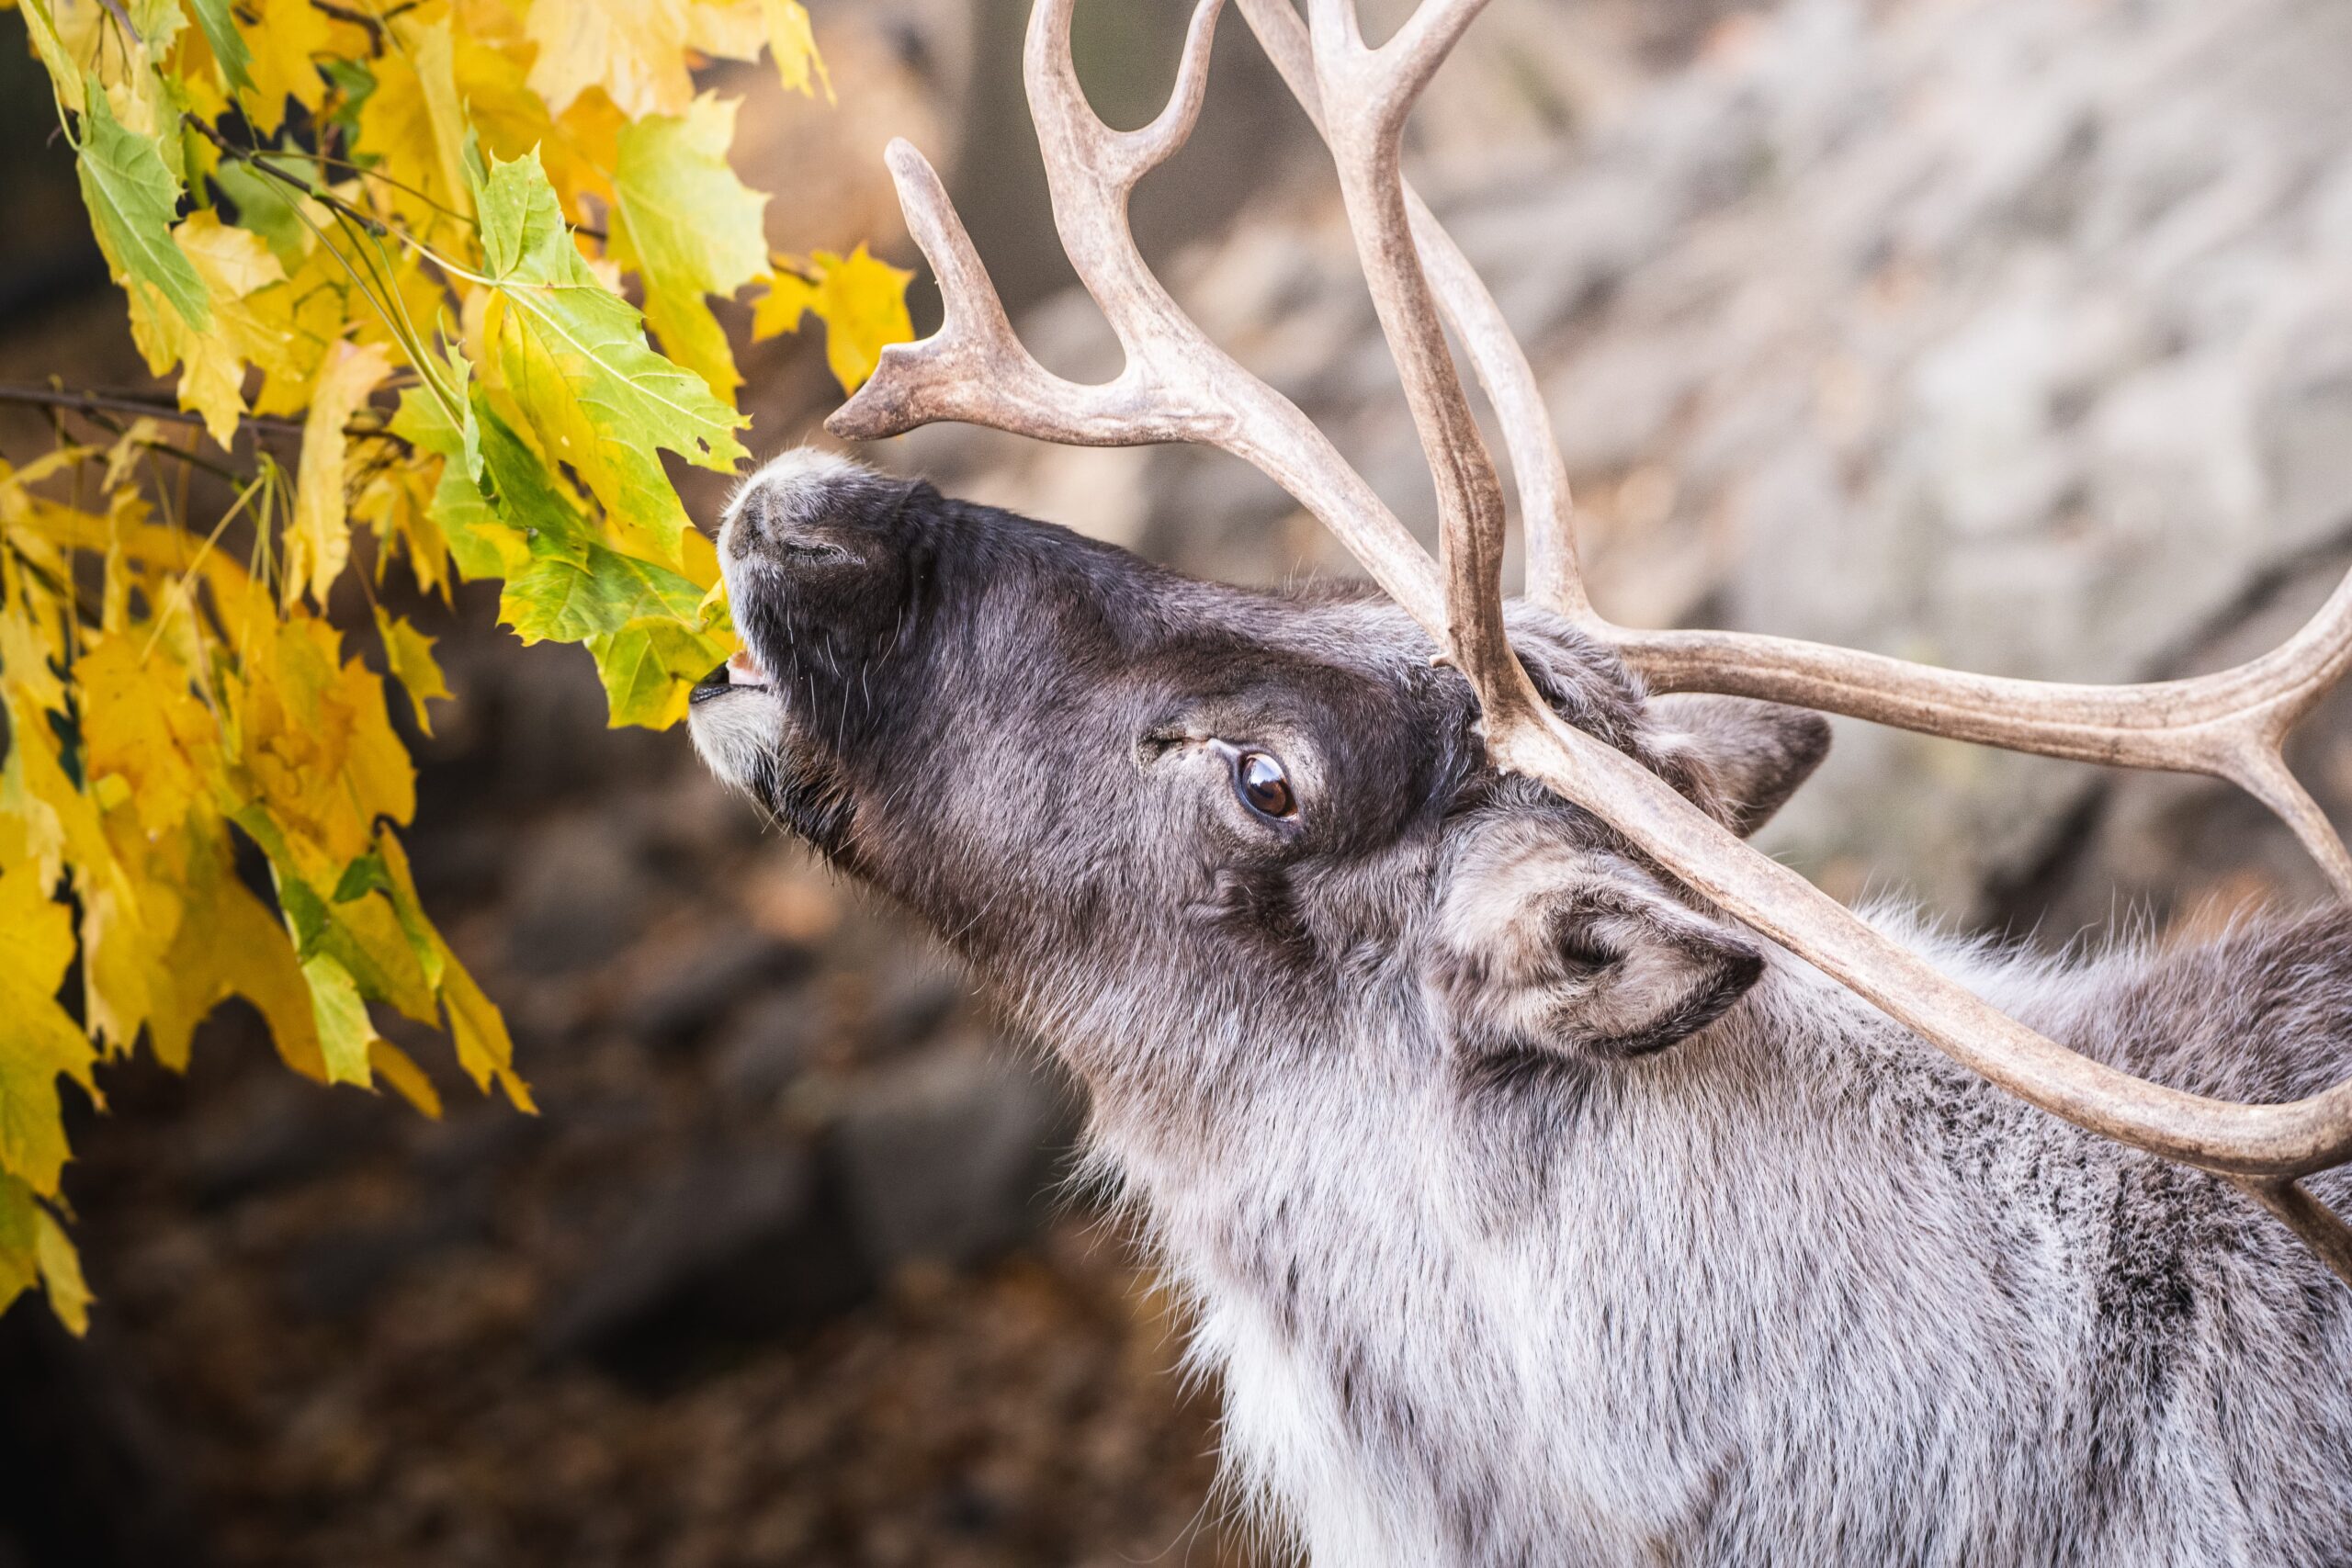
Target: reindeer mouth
column 743, row 672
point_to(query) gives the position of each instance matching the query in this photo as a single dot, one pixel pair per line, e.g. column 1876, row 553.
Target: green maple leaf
column 571, row 601
column 133, row 200
column 341, row 1013
column 649, row 666
column 576, row 361
column 691, row 228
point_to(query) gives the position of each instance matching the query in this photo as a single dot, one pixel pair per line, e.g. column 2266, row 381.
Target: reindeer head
column 1178, row 385
column 1162, row 811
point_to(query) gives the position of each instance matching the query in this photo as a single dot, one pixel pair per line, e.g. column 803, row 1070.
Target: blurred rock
column 292, row 1133
column 742, row 1244
column 946, row 1155
column 764, row 1046
column 697, row 988
column 580, row 897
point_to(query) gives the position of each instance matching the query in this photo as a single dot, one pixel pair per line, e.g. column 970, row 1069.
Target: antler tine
column 1545, row 506
column 2231, row 724
column 1176, row 384
column 1126, row 156
column 1365, row 94
column 974, row 369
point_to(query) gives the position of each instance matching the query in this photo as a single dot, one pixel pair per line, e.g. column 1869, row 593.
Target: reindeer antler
column 1177, row 385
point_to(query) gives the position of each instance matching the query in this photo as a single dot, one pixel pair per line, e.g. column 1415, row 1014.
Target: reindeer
column 1557, row 1179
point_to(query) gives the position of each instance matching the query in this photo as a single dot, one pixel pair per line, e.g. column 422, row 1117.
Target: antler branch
column 1178, row 385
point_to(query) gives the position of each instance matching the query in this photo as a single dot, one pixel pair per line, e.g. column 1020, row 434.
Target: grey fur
column 1536, row 1214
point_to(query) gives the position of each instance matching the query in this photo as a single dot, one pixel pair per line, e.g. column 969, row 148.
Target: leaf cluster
column 426, row 242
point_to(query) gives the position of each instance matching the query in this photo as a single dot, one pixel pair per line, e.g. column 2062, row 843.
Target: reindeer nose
column 791, row 499
column 795, row 507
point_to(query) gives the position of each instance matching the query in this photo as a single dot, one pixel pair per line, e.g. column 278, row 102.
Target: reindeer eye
column 1264, row 788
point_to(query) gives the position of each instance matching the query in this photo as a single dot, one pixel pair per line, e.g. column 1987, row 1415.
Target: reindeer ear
column 1555, row 949
column 1752, row 755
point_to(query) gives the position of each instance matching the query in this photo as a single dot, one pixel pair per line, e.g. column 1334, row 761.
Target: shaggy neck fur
column 1799, row 1291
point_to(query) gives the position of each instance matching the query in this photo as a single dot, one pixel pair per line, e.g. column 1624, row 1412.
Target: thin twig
column 59, row 397
column 122, row 20
column 254, row 158
column 372, row 21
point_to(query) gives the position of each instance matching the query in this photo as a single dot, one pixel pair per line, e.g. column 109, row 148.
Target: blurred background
column 2014, row 335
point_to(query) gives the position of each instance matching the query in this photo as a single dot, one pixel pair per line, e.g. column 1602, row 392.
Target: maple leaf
column 133, row 199
column 397, row 1069
column 691, row 229
column 408, row 654
column 601, row 592
column 634, row 49
column 649, row 668
column 319, row 544
column 142, row 723
column 578, row 364
column 34, row 1249
column 283, row 62
column 250, row 325
column 60, row 1272
column 230, row 944
column 38, row 1042
column 414, row 122
column 230, row 55
column 793, row 44
column 861, row 302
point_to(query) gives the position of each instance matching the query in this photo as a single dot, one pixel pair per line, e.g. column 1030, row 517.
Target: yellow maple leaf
column 739, row 29
column 484, row 1048
column 493, row 85
column 37, row 1040
column 65, row 831
column 861, row 302
column 24, row 655
column 414, row 122
column 229, row 943
column 61, row 1273
column 634, row 49
column 314, row 310
column 143, row 722
column 792, row 45
column 396, row 1068
column 318, row 545
column 397, row 503
column 287, row 41
column 248, row 323
column 316, row 744
column 408, row 654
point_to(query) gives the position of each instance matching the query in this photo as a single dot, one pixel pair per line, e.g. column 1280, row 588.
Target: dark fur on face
column 1037, row 743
